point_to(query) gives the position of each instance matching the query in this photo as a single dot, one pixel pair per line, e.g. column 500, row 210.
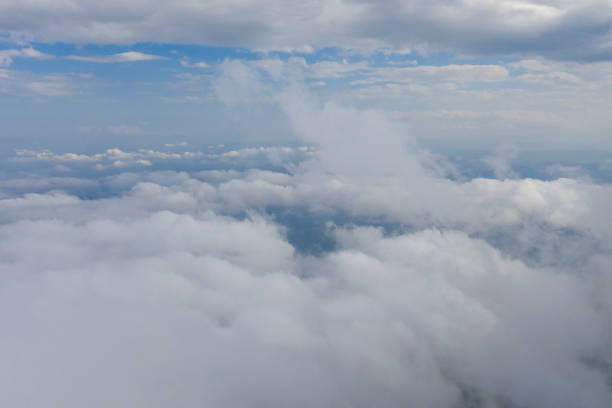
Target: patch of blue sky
column 172, row 54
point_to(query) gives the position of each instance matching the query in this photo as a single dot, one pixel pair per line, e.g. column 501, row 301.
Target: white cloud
column 6, row 56
column 278, row 155
column 501, row 160
column 128, row 56
column 304, row 49
column 51, row 87
column 529, row 102
column 185, row 62
column 155, row 279
column 184, row 290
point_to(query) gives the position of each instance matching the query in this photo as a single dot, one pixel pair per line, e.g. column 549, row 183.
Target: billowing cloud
column 190, row 287
column 155, row 288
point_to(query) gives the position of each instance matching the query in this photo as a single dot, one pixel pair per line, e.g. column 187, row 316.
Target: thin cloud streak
column 128, row 56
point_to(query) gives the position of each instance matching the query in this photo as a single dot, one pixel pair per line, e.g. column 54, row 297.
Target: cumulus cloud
column 152, row 288
column 282, row 155
column 187, row 288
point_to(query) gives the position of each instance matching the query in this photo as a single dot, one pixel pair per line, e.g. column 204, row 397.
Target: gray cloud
column 556, row 29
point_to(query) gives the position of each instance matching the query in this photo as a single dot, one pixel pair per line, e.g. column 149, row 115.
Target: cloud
column 51, row 86
column 188, row 64
column 30, row 84
column 525, row 103
column 128, row 56
column 557, row 29
column 501, row 160
column 188, row 288
column 114, row 157
column 303, row 49
column 6, row 56
column 155, row 279
column 451, row 73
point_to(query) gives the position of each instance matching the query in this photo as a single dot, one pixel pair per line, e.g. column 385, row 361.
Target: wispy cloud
column 48, row 88
column 7, row 56
column 128, row 56
column 186, row 63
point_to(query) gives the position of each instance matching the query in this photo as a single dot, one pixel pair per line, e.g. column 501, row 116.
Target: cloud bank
column 556, row 29
column 187, row 288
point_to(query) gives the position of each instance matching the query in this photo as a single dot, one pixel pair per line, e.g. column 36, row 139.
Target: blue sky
column 487, row 99
column 533, row 74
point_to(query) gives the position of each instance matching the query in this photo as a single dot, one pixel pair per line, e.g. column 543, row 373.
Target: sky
column 334, row 203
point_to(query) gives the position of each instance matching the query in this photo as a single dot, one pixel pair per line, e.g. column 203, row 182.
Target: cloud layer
column 186, row 288
column 156, row 297
column 558, row 29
